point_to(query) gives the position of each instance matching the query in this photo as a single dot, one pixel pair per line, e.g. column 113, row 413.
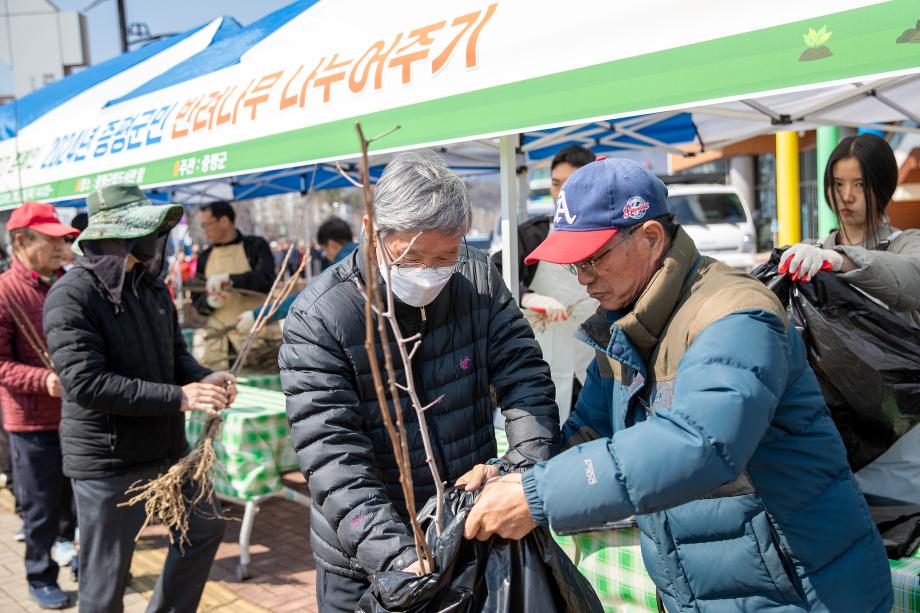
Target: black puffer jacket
column 473, row 336
column 120, row 374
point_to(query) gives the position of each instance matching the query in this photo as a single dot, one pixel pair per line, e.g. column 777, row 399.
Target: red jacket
column 24, row 400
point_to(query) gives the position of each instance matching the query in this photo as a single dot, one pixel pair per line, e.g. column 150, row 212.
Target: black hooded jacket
column 121, row 367
column 473, row 337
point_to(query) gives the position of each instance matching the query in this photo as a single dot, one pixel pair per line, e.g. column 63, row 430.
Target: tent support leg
column 509, row 222
column 788, row 211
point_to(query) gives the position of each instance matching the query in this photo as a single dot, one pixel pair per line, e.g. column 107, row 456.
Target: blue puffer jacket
column 735, row 470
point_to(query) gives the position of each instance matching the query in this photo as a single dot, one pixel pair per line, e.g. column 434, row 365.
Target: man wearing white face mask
column 473, row 336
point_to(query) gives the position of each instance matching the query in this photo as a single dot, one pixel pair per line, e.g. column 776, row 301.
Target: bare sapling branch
column 396, row 429
column 406, row 357
column 382, row 134
column 35, row 340
column 348, row 177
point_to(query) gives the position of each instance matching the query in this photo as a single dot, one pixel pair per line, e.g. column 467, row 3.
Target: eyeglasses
column 414, row 269
column 591, row 264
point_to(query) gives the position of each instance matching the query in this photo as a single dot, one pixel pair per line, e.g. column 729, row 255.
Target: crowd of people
column 665, row 386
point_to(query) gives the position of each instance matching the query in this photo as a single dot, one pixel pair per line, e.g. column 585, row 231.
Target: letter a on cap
column 563, row 209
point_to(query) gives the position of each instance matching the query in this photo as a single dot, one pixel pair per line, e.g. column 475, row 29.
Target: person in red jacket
column 30, row 392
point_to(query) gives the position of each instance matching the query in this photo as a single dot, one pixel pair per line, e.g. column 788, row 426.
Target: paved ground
column 282, row 564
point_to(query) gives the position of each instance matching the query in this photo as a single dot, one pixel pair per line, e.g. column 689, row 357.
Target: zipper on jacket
column 424, row 315
column 113, row 439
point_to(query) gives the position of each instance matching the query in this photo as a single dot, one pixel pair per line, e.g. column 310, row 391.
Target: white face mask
column 418, row 287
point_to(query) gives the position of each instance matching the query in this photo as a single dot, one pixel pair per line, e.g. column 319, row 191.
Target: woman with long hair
column 865, row 250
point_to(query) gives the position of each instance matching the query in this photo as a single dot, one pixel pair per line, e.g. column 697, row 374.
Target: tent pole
column 828, row 137
column 861, row 90
column 882, row 127
column 788, row 210
column 307, row 226
column 507, row 166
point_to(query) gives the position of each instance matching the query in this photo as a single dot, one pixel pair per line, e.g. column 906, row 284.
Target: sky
column 162, row 16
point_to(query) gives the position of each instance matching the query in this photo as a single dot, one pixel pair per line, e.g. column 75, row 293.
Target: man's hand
column 218, row 283
column 245, row 322
column 477, row 475
column 53, row 385
column 225, row 381
column 204, row 397
column 500, row 509
column 547, row 305
column 415, row 568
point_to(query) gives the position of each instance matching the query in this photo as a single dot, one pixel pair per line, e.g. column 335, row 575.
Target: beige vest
column 686, row 295
column 227, row 259
column 681, row 301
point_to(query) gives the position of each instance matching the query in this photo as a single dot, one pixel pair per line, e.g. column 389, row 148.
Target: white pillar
column 509, row 223
column 742, row 175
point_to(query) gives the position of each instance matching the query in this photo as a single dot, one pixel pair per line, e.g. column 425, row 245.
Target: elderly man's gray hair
column 418, row 192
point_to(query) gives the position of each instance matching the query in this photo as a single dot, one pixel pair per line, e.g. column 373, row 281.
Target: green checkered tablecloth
column 612, row 562
column 254, row 449
column 905, row 578
column 189, row 335
column 265, row 382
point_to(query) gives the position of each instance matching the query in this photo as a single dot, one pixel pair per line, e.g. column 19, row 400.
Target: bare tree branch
column 346, row 176
column 33, row 338
column 395, row 431
column 386, row 269
column 384, row 134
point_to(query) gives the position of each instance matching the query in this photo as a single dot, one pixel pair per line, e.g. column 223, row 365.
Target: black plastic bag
column 532, row 575
column 867, row 359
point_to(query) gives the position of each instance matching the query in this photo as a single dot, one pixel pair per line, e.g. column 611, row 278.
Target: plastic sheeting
column 867, row 360
column 532, row 575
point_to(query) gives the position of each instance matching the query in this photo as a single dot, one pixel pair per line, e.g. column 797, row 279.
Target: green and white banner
column 447, row 72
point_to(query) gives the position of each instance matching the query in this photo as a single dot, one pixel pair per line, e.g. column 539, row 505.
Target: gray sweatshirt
column 892, row 276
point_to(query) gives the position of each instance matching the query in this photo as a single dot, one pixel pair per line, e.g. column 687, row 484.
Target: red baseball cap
column 40, row 217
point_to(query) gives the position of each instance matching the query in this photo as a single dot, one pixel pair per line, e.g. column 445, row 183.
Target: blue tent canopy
column 223, row 53
column 659, row 131
column 19, row 113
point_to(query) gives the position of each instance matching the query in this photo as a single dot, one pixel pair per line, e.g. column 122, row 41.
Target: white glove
column 803, row 261
column 547, row 305
column 218, row 283
column 216, row 301
column 245, row 322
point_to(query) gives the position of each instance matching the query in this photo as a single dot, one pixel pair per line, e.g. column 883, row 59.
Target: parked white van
column 718, row 220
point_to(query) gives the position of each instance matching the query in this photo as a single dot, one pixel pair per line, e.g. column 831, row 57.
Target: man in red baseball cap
column 30, row 393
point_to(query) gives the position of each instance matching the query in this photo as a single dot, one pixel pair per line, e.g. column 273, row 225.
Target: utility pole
column 122, row 25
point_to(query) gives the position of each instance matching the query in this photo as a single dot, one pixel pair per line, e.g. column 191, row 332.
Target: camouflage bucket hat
column 123, row 211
